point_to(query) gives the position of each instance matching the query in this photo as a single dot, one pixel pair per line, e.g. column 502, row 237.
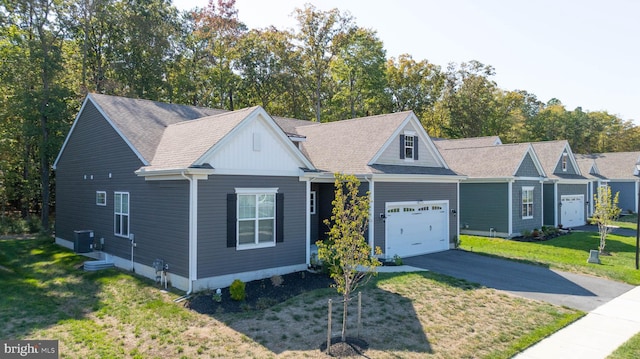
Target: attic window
column 408, row 146
column 564, row 162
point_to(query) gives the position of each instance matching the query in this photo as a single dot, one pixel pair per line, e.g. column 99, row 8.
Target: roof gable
column 491, row 162
column 232, row 142
column 551, row 153
column 354, row 146
column 614, row 165
column 140, row 123
column 257, row 145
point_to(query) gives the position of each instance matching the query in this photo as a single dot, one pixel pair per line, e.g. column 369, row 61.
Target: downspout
column 193, row 227
column 510, row 206
column 308, row 222
column 458, row 216
column 555, row 204
column 541, row 202
column 371, row 214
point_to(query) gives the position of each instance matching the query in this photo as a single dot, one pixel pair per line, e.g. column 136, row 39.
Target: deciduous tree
column 346, row 251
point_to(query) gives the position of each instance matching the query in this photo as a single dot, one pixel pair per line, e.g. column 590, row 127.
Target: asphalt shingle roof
column 614, row 165
column 485, row 162
column 348, row 146
column 447, row 144
column 143, row 122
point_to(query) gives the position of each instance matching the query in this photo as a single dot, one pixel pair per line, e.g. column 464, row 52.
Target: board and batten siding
column 96, row 158
column 520, row 224
column 527, row 168
column 216, row 259
column 484, row 206
column 400, row 192
column 391, row 155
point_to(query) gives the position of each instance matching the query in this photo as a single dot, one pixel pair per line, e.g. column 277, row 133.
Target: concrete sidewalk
column 595, row 335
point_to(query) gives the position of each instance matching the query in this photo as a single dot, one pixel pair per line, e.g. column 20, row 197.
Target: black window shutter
column 231, row 219
column 279, row 217
column 415, row 148
column 402, row 147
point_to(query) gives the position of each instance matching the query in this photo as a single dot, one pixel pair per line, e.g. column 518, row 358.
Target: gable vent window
column 408, row 147
column 564, row 162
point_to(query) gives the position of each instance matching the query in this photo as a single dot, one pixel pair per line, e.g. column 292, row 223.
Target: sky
column 584, row 53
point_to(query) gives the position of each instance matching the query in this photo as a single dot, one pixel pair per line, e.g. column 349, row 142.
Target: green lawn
column 114, row 314
column 628, row 221
column 568, row 252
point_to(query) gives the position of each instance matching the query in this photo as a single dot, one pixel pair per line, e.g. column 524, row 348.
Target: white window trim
column 255, row 191
column 407, row 135
column 565, row 160
column 117, row 212
column 312, row 202
column 104, row 196
column 523, row 203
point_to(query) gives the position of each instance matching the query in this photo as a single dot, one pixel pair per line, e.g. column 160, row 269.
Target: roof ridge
column 234, row 112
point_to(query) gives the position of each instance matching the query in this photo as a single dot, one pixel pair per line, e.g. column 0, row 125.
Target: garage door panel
column 572, row 210
column 414, row 228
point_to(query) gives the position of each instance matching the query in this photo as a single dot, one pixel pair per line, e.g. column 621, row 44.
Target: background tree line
column 328, row 68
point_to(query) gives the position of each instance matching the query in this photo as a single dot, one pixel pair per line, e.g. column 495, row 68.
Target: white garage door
column 572, row 211
column 414, row 228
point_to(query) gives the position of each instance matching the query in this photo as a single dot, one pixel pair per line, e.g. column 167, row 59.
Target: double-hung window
column 256, row 220
column 409, row 146
column 121, row 213
column 565, row 158
column 527, row 202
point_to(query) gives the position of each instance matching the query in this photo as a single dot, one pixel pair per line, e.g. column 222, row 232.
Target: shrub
column 237, row 290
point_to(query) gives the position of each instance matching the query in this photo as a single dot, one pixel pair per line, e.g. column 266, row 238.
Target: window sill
column 121, row 235
column 531, row 217
column 242, row 247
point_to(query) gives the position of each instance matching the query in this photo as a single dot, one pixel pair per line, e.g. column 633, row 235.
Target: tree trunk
column 344, row 317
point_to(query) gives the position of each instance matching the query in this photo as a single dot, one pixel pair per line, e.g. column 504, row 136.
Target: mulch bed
column 261, row 294
column 352, row 347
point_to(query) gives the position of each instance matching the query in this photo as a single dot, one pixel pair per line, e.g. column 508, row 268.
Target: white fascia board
column 417, row 178
column 573, row 181
column 174, row 174
column 254, row 172
column 490, row 179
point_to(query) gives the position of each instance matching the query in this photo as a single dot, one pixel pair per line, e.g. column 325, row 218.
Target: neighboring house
column 223, row 195
column 617, row 170
column 502, row 195
column 565, row 193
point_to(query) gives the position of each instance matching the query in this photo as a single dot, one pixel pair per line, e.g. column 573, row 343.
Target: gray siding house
column 223, row 195
column 617, row 170
column 502, row 195
column 566, row 191
column 414, row 193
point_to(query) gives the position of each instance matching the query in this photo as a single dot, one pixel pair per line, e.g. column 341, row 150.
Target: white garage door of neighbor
column 414, row 228
column 572, row 211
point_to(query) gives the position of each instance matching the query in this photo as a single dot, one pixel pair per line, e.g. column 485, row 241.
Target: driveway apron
column 577, row 291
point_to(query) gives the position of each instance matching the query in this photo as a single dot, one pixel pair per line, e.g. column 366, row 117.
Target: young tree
column 606, row 211
column 346, row 251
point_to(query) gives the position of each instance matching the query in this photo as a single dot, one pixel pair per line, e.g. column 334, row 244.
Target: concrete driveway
column 577, row 291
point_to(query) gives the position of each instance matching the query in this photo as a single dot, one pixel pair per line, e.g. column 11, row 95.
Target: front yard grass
column 114, row 314
column 568, row 252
